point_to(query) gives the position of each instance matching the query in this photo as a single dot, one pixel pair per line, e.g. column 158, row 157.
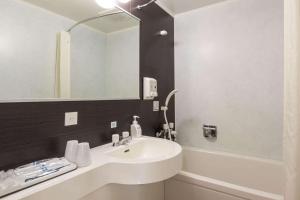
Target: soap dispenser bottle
column 135, row 128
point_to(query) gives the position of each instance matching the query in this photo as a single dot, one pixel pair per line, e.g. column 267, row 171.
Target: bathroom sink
column 145, row 160
column 147, row 149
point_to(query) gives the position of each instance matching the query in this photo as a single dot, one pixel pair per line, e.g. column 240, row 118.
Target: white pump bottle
column 135, row 128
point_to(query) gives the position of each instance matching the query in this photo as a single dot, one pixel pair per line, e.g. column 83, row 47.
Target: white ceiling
column 81, row 9
column 179, row 6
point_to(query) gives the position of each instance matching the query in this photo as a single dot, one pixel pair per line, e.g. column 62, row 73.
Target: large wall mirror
column 67, row 50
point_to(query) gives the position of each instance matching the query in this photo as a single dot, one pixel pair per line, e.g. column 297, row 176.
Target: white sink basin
column 147, row 149
column 145, row 160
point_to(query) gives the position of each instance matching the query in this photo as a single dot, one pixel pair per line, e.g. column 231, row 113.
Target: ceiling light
column 124, row 1
column 107, row 4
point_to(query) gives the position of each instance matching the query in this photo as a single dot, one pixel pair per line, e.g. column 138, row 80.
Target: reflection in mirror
column 106, row 58
column 103, row 53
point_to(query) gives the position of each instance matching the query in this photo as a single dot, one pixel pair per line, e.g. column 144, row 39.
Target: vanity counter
column 106, row 169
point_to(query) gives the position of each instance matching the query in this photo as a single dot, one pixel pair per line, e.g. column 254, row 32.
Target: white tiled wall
column 229, row 70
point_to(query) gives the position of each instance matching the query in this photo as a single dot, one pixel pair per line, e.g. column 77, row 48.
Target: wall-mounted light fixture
column 163, row 33
column 107, row 4
column 124, row 1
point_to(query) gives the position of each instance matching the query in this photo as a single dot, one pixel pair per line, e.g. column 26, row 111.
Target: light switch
column 71, row 118
column 113, row 124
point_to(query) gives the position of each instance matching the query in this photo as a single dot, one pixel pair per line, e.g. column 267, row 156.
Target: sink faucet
column 126, row 139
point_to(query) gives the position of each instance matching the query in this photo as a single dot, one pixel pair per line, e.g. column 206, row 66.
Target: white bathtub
column 223, row 176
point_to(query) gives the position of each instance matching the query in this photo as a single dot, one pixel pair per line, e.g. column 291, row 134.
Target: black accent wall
column 32, row 131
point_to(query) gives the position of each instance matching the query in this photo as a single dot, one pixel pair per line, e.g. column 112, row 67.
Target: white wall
column 229, row 70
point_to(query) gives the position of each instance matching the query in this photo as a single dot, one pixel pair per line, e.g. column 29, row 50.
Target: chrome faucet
column 164, row 132
column 126, row 139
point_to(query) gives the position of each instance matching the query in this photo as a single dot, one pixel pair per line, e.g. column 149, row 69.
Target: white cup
column 83, row 158
column 71, row 150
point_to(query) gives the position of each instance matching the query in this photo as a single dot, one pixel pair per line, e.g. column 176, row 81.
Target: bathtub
column 222, row 176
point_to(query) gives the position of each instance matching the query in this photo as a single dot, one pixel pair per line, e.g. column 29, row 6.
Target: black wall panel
column 31, row 131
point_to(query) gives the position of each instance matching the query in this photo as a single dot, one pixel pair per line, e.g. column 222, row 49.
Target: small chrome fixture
column 165, row 132
column 165, row 108
column 126, row 139
column 146, row 4
column 209, row 131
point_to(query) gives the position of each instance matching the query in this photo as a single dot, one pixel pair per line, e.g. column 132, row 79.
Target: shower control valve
column 209, row 131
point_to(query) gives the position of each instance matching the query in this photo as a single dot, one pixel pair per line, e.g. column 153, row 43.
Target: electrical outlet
column 71, row 118
column 113, row 124
column 155, row 106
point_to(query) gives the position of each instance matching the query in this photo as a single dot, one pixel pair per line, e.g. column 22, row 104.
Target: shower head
column 169, row 97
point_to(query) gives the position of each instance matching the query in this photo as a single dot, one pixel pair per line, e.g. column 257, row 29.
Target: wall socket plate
column 71, row 118
column 114, row 124
column 155, row 106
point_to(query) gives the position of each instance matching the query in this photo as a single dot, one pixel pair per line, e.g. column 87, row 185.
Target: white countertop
column 97, row 161
column 103, row 170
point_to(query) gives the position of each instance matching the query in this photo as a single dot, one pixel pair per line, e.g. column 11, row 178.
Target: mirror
column 49, row 50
